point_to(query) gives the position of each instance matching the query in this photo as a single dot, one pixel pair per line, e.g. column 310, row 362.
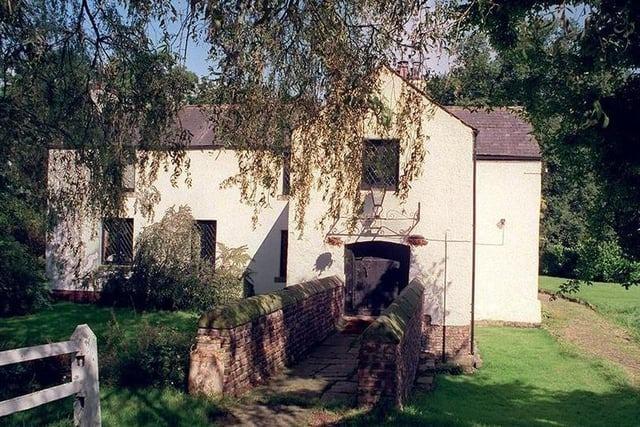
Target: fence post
column 84, row 369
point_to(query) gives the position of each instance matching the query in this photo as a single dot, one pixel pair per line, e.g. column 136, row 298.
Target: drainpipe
column 473, row 250
column 444, row 302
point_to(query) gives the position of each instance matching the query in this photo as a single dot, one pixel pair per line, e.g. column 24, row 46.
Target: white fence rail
column 84, row 377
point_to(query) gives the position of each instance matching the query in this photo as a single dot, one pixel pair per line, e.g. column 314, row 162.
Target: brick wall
column 456, row 339
column 242, row 345
column 390, row 350
column 81, row 296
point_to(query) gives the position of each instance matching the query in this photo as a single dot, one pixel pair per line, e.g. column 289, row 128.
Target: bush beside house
column 23, row 288
column 168, row 272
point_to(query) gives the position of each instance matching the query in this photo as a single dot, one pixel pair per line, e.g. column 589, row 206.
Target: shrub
column 22, row 284
column 603, row 261
column 155, row 356
column 169, row 274
column 558, row 260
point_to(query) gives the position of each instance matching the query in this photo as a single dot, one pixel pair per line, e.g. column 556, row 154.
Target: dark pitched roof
column 196, row 119
column 502, row 133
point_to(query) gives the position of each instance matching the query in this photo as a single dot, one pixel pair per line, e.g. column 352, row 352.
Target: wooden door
column 375, row 284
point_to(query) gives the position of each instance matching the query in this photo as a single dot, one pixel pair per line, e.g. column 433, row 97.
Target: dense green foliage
column 82, row 75
column 22, row 225
column 158, row 356
column 22, row 284
column 577, row 69
column 168, row 272
column 617, row 303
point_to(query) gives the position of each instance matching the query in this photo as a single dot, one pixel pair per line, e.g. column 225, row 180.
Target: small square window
column 129, row 177
column 380, row 163
column 207, row 230
column 117, row 241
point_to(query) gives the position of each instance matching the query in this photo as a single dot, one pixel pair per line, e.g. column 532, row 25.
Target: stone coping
column 249, row 309
column 391, row 325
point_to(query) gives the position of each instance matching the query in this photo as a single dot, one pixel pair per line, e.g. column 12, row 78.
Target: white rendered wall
column 208, row 168
column 507, row 257
column 445, row 192
column 506, row 274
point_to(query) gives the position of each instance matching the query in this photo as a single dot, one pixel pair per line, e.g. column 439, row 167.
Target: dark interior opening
column 375, row 274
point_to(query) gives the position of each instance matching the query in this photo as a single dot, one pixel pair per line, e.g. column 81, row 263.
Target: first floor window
column 380, row 163
column 129, row 177
column 117, row 241
column 207, row 230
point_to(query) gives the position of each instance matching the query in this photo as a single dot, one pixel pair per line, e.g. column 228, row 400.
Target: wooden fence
column 84, row 377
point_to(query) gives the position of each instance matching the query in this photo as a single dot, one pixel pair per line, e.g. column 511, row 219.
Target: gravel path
column 592, row 333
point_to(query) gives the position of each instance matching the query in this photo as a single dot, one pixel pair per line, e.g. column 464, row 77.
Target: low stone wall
column 457, row 339
column 241, row 345
column 390, row 350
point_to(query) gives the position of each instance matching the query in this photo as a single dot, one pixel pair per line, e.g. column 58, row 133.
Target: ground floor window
column 117, row 241
column 207, row 230
column 284, row 244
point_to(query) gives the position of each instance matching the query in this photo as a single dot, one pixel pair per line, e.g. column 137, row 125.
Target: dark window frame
column 395, row 147
column 105, row 241
column 284, row 252
column 286, row 174
column 213, row 224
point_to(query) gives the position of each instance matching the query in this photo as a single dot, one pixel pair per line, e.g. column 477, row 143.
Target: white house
column 468, row 228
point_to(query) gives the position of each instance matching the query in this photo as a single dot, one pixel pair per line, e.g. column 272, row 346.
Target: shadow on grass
column 457, row 403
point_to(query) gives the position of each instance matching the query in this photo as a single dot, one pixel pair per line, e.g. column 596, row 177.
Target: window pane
column 117, row 241
column 129, row 177
column 207, row 240
column 284, row 244
column 380, row 163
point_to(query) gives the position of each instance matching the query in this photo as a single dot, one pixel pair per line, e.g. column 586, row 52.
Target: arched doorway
column 375, row 273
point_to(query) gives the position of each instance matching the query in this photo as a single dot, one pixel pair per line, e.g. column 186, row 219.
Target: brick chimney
column 415, row 72
column 403, row 69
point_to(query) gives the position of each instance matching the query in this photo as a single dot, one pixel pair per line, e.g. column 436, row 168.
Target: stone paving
column 326, row 376
column 328, row 373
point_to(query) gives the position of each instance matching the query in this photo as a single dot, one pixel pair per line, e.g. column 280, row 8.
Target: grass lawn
column 612, row 300
column 528, row 378
column 124, row 407
column 58, row 322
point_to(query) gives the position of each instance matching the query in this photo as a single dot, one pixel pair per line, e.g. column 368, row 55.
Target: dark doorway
column 375, row 273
